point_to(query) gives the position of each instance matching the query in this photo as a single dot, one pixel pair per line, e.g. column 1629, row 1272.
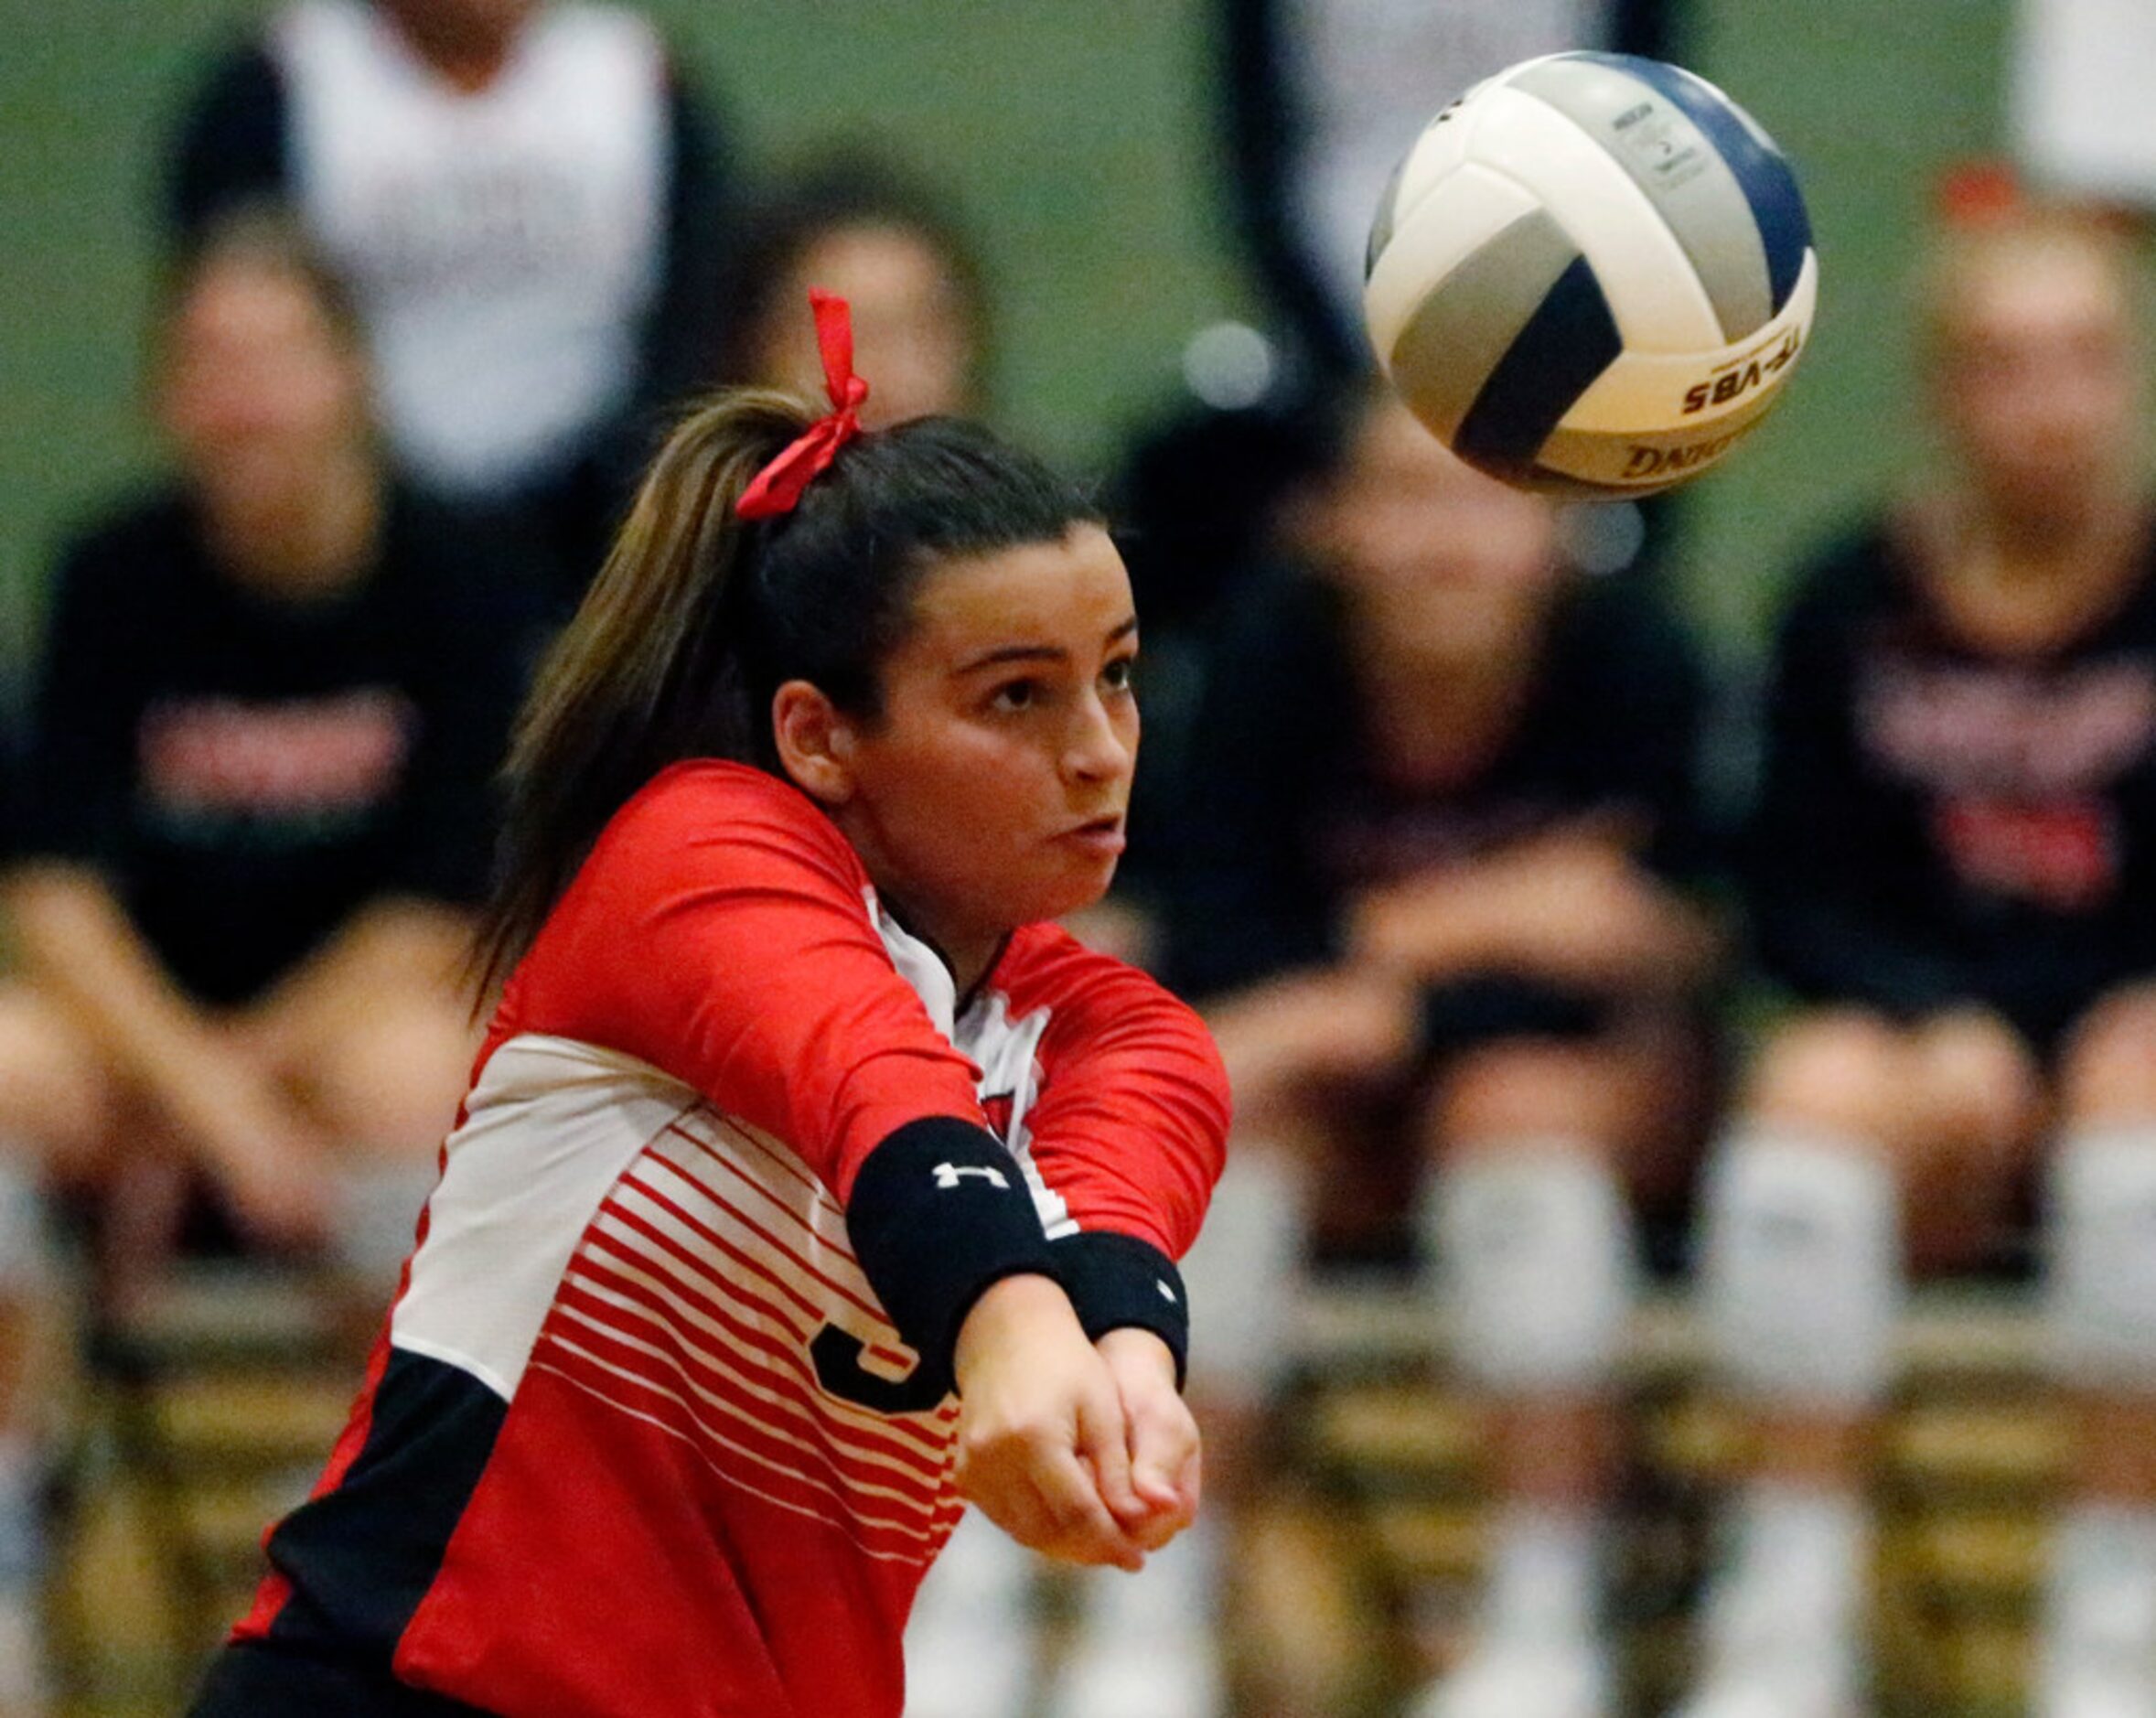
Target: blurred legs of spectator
column 1302, row 1052
column 369, row 1043
column 2098, row 1652
column 374, row 1041
column 365, row 1046
column 1151, row 1645
column 1862, row 1148
column 1540, row 1148
column 971, row 1642
column 1536, row 1149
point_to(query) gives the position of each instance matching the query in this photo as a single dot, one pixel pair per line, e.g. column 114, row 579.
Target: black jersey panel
column 251, row 1679
column 361, row 1556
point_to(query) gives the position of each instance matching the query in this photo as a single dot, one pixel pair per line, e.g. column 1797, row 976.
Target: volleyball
column 1592, row 273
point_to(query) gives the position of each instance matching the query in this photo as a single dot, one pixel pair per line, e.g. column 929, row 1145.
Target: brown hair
column 698, row 616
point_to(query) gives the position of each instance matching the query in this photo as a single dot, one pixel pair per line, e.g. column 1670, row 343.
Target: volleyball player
column 809, row 1180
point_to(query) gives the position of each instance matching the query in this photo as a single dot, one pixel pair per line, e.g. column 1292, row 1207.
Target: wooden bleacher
column 219, row 1409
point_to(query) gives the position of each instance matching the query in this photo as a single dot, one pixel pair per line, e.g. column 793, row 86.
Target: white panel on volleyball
column 1434, row 233
column 1644, row 393
column 1653, row 291
column 549, row 1129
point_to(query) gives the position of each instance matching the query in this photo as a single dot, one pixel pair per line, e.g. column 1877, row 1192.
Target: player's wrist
column 1131, row 1350
column 1012, row 1317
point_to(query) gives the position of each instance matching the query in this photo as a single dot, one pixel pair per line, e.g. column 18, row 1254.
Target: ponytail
column 643, row 676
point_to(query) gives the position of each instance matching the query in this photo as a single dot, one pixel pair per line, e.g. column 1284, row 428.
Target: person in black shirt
column 257, row 800
column 1438, row 815
column 1954, row 874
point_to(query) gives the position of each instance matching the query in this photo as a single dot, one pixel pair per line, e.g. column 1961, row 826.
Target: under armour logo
column 948, row 1175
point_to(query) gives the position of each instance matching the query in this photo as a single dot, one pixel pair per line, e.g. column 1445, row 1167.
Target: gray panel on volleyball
column 1684, row 177
column 1471, row 318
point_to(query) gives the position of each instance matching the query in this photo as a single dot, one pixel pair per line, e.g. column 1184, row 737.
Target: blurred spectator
column 258, row 796
column 1324, row 97
column 1440, row 798
column 1956, row 870
column 527, row 200
column 887, row 246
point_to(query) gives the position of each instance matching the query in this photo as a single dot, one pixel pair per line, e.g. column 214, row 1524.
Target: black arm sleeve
column 232, row 146
column 1120, row 1283
column 939, row 1213
column 1828, row 846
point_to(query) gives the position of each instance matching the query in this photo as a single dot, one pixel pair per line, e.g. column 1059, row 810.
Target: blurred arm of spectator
column 79, row 946
column 1597, row 902
column 684, row 333
column 1262, row 134
column 1572, row 907
column 1307, row 987
column 1248, row 903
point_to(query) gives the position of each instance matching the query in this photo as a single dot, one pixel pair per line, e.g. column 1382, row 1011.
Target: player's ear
column 815, row 742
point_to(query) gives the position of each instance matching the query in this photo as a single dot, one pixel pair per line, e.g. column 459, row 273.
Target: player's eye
column 1120, row 674
column 1015, row 694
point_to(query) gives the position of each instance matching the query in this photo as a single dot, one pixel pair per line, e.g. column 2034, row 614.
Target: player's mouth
column 1102, row 836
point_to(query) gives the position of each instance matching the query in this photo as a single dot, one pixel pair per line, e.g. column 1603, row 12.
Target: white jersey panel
column 504, row 243
column 548, row 1130
column 599, row 1224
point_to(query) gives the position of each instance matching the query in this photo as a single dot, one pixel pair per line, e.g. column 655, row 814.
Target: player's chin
column 1077, row 883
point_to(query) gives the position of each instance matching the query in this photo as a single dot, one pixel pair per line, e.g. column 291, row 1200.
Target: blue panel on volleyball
column 1769, row 187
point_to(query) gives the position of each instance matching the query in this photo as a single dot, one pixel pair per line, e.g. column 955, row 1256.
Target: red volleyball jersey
column 661, row 1421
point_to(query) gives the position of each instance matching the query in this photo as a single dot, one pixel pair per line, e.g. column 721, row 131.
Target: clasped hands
column 1082, row 1451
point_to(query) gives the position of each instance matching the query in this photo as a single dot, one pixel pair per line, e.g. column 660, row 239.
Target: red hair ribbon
column 779, row 485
